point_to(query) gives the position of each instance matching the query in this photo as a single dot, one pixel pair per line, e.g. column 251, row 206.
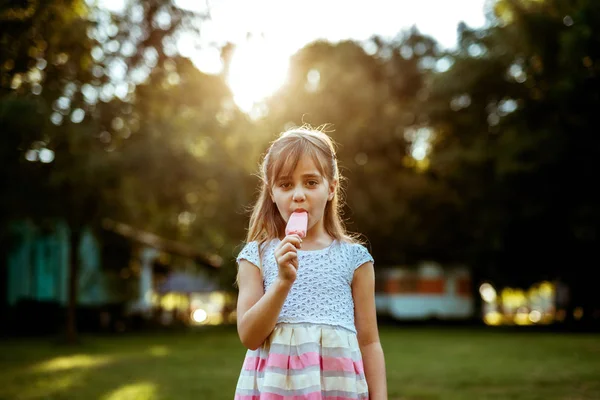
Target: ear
column 332, row 188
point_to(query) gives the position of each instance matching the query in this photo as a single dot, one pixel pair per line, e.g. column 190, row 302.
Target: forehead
column 305, row 164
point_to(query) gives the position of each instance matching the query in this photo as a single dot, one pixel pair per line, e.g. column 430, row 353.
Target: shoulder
column 254, row 251
column 356, row 253
column 250, row 252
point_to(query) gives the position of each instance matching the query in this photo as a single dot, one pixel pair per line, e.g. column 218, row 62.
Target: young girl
column 306, row 308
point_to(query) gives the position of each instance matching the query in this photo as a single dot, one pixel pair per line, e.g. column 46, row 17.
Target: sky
column 279, row 28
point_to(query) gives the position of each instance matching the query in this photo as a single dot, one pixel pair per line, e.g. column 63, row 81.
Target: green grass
column 422, row 363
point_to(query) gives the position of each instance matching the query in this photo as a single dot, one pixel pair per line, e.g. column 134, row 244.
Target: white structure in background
column 427, row 291
column 143, row 304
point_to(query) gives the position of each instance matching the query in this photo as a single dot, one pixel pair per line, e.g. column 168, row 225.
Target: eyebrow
column 311, row 175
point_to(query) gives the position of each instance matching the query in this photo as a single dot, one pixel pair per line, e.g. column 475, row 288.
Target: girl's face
column 305, row 190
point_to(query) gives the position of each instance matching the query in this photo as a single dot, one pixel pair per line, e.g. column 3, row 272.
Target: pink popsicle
column 298, row 223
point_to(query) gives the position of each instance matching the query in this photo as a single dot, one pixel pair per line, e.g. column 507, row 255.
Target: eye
column 312, row 183
column 285, row 185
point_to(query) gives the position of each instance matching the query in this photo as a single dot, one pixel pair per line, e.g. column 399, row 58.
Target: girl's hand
column 286, row 254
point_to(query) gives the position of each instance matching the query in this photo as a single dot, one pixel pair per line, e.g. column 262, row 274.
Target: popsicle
column 298, row 223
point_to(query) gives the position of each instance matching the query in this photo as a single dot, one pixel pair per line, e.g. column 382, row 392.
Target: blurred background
column 131, row 136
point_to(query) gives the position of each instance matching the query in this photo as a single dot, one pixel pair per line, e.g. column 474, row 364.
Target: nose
column 298, row 196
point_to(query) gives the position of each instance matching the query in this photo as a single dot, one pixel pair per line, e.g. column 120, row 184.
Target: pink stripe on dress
column 308, row 396
column 344, row 364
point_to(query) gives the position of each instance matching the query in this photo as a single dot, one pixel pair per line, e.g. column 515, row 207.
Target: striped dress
column 313, row 352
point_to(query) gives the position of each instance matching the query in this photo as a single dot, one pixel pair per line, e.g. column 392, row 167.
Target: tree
column 514, row 119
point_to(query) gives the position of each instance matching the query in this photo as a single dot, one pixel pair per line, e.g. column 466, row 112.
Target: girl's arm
column 363, row 292
column 257, row 311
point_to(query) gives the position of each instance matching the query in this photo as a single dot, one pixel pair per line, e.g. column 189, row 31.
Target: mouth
column 299, row 210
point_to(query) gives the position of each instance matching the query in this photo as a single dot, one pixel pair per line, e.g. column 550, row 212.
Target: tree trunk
column 73, row 280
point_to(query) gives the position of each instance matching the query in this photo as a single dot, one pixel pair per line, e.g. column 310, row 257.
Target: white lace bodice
column 322, row 291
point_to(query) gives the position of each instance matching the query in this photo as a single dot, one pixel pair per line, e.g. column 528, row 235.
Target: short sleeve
column 361, row 256
column 250, row 253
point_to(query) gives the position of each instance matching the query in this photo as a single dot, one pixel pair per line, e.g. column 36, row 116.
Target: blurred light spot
column 535, row 316
column 162, row 19
column 420, row 48
column 46, row 156
column 587, row 62
column 522, row 316
column 122, row 90
column 136, row 13
column 493, row 119
column 97, row 53
column 158, row 351
column 427, row 62
column 567, row 20
column 444, row 64
column 36, row 88
column 406, row 52
column 112, row 46
column 16, row 81
column 105, row 137
column 71, row 362
column 361, row 158
column 186, row 218
column 35, row 75
column 517, row 73
column 578, row 313
column 312, row 80
column 142, row 390
column 41, row 64
column 61, row 59
column 70, row 89
column 97, row 71
column 127, row 49
column 77, row 116
column 117, row 123
column 191, row 198
column 173, row 78
column 151, row 57
column 31, row 155
column 107, row 92
column 370, row 47
column 507, row 106
column 90, row 94
column 459, row 102
column 419, row 151
column 117, row 69
column 492, row 318
column 487, row 292
column 199, row 315
column 476, row 50
column 112, row 30
column 56, row 118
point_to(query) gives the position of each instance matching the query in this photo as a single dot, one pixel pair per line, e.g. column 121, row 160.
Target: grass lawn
column 422, row 363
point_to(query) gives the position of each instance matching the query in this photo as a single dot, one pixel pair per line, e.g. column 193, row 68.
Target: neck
column 317, row 235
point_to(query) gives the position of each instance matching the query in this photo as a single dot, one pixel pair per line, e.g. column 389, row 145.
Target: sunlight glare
column 141, row 390
column 256, row 71
column 70, row 362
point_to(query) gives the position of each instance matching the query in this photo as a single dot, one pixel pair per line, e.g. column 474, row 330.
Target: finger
column 288, row 257
column 293, row 239
column 285, row 249
column 288, row 247
column 294, row 262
